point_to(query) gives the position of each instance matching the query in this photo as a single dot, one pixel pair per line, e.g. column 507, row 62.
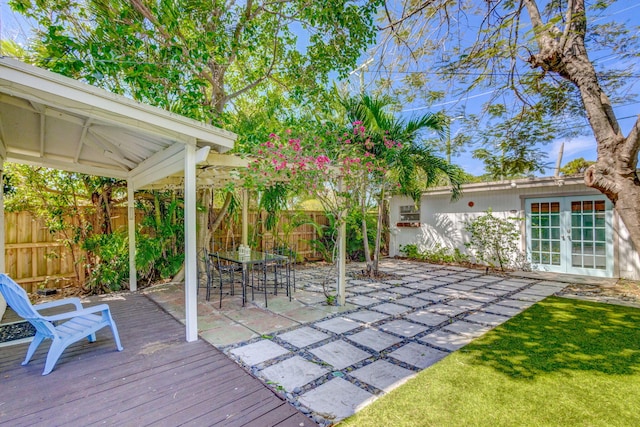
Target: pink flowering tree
column 347, row 168
column 327, row 168
column 408, row 165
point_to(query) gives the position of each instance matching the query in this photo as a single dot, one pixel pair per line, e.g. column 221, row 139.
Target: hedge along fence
column 301, row 238
column 35, row 257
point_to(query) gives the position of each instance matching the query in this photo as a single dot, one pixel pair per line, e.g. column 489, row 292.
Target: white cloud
column 582, row 146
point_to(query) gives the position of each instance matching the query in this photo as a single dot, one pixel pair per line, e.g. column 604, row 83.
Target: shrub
column 437, row 254
column 494, row 241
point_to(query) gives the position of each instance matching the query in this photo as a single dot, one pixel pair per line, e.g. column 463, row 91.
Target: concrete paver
column 367, row 316
column 259, row 352
column 293, row 373
column 336, row 399
column 330, row 359
column 420, row 356
column 403, row 328
column 303, row 337
column 339, row 325
column 447, row 340
column 374, row 339
column 391, row 308
column 383, row 375
column 340, row 354
column 427, row 317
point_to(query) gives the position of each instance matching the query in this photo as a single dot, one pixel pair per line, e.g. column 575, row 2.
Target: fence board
column 34, row 255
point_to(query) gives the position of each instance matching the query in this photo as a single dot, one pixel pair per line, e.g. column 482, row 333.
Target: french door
column 570, row 235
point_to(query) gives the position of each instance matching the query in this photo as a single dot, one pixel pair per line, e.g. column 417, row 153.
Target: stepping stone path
column 330, row 368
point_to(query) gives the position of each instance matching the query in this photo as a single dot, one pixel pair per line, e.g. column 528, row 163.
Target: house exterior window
column 409, row 216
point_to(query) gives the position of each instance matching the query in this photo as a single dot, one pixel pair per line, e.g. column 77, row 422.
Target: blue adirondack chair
column 81, row 323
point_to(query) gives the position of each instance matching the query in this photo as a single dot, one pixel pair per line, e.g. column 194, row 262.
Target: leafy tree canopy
column 195, row 57
column 490, row 48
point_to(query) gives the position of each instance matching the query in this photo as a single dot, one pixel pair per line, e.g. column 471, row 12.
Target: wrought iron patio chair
column 83, row 322
column 226, row 273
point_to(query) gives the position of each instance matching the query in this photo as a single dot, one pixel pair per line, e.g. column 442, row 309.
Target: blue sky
column 13, row 26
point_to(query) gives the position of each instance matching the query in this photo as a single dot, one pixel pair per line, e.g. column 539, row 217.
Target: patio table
column 252, row 259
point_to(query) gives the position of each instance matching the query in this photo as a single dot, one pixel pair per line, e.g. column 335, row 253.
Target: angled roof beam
column 112, row 152
column 166, row 167
column 83, row 135
column 64, row 165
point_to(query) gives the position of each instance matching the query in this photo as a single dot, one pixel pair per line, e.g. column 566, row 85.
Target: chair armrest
column 74, row 300
column 76, row 313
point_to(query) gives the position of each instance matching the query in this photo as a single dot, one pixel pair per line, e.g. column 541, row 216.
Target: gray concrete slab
column 526, row 296
column 258, row 352
column 515, row 303
column 383, row 375
column 427, row 317
column 340, row 354
column 446, row 340
column 403, row 328
column 374, row 339
column 480, row 297
column 385, row 295
column 303, row 336
column 469, row 329
column 486, row 318
column 293, row 373
column 401, row 290
column 339, row 325
column 445, row 309
column 363, row 300
column 465, row 303
column 391, row 308
column 412, row 302
column 418, row 355
column 336, row 399
column 367, row 316
column 431, row 296
column 502, row 310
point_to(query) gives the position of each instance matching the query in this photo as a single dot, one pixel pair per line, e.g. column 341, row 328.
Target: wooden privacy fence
column 35, row 256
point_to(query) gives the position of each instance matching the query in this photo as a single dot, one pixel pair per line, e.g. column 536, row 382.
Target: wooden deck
column 158, row 379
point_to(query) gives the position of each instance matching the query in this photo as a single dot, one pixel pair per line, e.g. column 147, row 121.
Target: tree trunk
column 614, row 173
column 365, row 238
column 376, row 252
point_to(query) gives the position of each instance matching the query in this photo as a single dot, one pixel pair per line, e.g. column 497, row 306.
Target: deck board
column 159, row 378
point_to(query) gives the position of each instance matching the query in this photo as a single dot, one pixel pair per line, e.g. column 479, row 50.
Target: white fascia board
column 65, row 165
column 509, row 185
column 164, row 167
column 33, row 83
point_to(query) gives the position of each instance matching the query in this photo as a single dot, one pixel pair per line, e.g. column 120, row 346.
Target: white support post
column 342, row 252
column 131, row 225
column 245, row 217
column 2, row 248
column 190, row 255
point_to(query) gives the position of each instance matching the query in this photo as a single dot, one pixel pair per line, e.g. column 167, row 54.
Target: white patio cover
column 53, row 121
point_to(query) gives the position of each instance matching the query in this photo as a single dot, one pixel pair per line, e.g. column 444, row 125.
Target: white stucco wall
column 442, row 221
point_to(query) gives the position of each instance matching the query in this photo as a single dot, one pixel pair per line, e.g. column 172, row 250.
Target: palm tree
column 410, row 168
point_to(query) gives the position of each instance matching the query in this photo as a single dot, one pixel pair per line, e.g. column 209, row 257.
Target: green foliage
column 194, row 57
column 110, row 272
column 326, row 244
column 576, row 166
column 160, row 240
column 495, row 241
column 511, row 145
column 437, row 254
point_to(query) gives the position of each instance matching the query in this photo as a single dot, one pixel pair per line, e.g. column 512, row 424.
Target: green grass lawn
column 562, row 362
